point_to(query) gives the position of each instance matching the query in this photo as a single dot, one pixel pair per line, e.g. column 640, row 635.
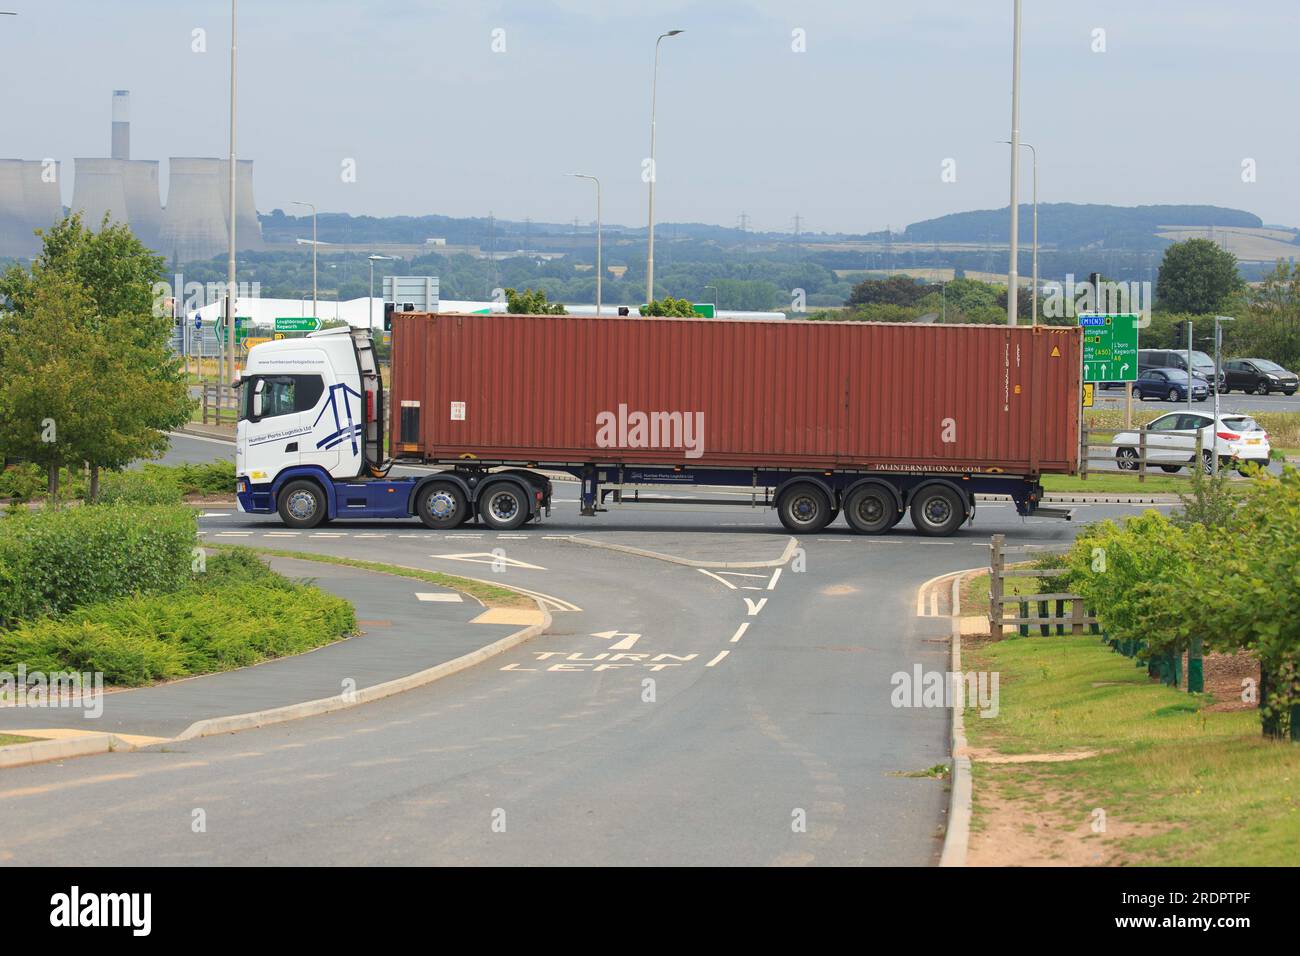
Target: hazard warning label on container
column 457, row 411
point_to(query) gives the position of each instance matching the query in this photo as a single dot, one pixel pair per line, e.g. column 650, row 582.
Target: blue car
column 1170, row 384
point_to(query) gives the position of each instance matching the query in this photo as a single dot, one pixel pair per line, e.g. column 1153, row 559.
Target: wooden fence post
column 995, row 585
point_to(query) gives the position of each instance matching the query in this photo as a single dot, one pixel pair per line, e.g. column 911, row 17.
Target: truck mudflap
column 1029, row 503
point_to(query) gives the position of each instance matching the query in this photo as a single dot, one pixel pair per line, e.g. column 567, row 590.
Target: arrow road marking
column 628, row 642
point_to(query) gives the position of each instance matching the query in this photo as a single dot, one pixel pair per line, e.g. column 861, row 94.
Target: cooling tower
column 194, row 222
column 99, row 187
column 41, row 196
column 143, row 207
column 248, row 229
column 121, row 124
column 16, row 237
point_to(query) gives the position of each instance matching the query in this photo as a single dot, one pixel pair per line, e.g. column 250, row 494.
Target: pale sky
column 852, row 133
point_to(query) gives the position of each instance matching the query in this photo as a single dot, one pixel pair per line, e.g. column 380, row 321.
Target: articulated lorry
column 872, row 420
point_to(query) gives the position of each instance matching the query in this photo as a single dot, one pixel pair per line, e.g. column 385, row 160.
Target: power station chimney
column 121, row 124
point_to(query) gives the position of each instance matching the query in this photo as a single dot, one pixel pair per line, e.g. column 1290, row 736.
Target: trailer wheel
column 804, row 508
column 937, row 511
column 302, row 504
column 871, row 510
column 503, row 506
column 441, row 505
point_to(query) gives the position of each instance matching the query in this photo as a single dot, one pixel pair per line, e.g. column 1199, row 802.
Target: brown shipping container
column 776, row 394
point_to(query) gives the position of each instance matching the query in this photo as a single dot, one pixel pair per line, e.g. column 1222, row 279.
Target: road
column 1231, row 403
column 724, row 710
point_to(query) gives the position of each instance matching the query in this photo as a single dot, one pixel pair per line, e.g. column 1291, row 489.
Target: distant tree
column 1197, row 276
column 896, row 290
column 531, row 302
column 668, row 306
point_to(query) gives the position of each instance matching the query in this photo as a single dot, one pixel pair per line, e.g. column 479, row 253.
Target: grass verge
column 1113, row 483
column 490, row 594
column 1179, row 784
column 7, row 739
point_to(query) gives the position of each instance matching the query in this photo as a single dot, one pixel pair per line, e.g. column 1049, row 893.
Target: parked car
column 1171, row 442
column 1259, row 376
column 1170, row 384
column 1202, row 364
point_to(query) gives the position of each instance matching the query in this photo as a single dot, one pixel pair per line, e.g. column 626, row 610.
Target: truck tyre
column 441, row 505
column 937, row 511
column 871, row 510
column 302, row 504
column 804, row 509
column 503, row 506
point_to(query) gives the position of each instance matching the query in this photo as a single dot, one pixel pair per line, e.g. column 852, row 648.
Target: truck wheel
column 503, row 506
column 302, row 504
column 937, row 511
column 805, row 509
column 871, row 510
column 442, row 505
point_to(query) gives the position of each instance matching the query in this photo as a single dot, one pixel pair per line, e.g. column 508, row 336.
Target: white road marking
column 771, row 585
column 329, row 534
column 215, row 514
column 233, row 534
column 755, row 608
column 283, row 534
column 372, row 536
column 487, row 557
column 449, row 596
column 514, row 537
column 720, row 656
column 740, row 632
column 716, row 578
column 450, row 536
column 628, row 642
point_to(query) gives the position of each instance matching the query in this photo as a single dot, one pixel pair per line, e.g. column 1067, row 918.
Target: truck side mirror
column 257, row 398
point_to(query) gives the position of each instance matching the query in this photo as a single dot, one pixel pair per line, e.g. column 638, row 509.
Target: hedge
column 54, row 561
column 236, row 613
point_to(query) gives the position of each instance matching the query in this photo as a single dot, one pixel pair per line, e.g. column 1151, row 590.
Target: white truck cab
column 307, row 406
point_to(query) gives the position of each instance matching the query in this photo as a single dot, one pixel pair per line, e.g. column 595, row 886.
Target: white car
column 1171, row 442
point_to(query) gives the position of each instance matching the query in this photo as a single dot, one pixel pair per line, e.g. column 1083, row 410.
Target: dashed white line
column 449, row 596
column 721, row 655
column 717, row 578
column 771, row 585
column 740, row 632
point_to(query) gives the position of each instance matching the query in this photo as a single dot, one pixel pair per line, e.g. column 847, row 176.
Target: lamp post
column 371, row 301
column 654, row 174
column 298, row 202
column 1033, row 320
column 598, row 265
column 715, row 297
column 230, row 252
column 1218, row 340
column 1013, row 276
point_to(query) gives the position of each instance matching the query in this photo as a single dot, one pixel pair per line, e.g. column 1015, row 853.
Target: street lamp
column 1034, row 316
column 371, row 301
column 1013, row 276
column 715, row 296
column 1218, row 340
column 598, row 266
column 654, row 173
column 230, row 252
column 298, row 202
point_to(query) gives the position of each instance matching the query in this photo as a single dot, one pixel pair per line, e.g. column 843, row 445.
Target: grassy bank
column 490, row 594
column 1178, row 783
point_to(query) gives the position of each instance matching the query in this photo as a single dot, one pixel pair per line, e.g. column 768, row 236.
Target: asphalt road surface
column 672, row 715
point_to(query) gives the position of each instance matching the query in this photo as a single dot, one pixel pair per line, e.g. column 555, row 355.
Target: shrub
column 27, row 482
column 237, row 613
column 137, row 488
column 211, row 478
column 54, row 561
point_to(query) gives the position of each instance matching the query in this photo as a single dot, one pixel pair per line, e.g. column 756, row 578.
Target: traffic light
column 388, row 316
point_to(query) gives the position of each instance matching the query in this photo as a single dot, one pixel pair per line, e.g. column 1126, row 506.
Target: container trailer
column 814, row 419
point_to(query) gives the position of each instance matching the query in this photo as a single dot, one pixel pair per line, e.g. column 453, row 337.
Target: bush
column 137, row 488
column 212, row 478
column 27, row 482
column 54, row 561
column 237, row 613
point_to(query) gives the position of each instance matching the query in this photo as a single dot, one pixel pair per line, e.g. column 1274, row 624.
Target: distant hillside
column 1076, row 226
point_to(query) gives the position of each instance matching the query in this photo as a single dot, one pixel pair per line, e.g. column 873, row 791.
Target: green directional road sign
column 241, row 325
column 1110, row 347
column 297, row 323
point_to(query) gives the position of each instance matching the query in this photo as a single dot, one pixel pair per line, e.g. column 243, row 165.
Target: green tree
column 532, row 302
column 1197, row 276
column 668, row 306
column 110, row 345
